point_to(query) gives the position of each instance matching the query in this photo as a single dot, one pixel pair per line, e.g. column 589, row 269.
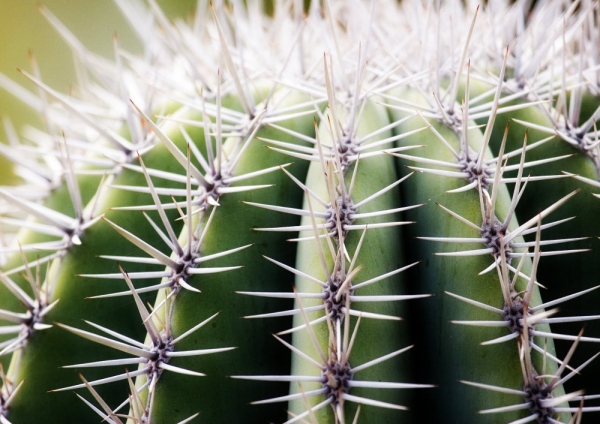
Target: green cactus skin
column 73, row 308
column 228, row 230
column 570, row 273
column 449, row 353
column 360, row 74
column 379, row 254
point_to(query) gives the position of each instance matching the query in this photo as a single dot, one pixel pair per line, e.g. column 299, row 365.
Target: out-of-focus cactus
column 325, row 213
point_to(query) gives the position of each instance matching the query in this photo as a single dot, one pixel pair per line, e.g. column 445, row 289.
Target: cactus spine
column 146, row 216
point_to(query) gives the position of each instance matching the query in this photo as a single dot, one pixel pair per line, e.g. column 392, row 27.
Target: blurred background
column 23, row 29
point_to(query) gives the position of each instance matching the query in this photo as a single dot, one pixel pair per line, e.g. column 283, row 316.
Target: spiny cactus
column 334, row 212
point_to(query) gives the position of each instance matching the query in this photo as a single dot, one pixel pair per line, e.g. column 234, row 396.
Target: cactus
column 309, row 212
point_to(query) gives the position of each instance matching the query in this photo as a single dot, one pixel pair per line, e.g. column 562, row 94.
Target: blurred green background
column 24, row 29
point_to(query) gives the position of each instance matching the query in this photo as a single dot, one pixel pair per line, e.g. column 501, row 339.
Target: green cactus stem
column 320, row 212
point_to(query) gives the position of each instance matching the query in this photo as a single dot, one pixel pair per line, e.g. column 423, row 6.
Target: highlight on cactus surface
column 312, row 212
